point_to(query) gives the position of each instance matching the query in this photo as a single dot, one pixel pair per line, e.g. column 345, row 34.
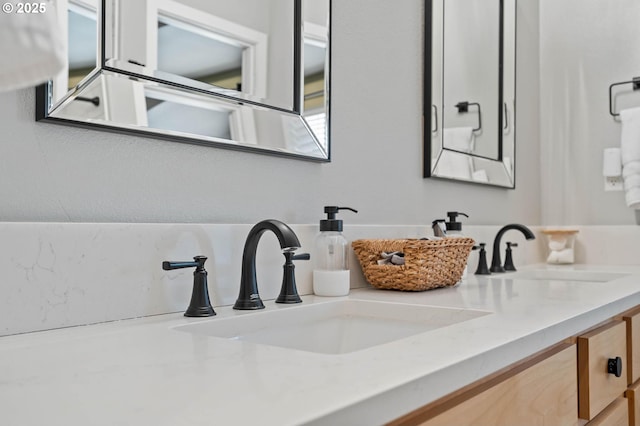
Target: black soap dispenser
column 331, row 269
column 454, row 228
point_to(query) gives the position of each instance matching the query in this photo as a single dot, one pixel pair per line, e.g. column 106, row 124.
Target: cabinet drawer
column 615, row 414
column 543, row 392
column 597, row 387
column 633, row 346
column 633, row 395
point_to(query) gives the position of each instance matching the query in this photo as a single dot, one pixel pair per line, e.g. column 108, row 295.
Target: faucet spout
column 496, row 261
column 249, row 298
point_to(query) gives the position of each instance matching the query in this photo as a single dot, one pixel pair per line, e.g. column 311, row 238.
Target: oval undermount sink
column 564, row 275
column 335, row 327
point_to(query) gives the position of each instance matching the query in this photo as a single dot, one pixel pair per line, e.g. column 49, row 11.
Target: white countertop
column 141, row 372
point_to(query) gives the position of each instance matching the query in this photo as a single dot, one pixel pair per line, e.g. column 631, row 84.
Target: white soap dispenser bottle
column 331, row 269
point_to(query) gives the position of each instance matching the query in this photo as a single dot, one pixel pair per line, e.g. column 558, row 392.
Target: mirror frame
column 45, row 104
column 498, row 164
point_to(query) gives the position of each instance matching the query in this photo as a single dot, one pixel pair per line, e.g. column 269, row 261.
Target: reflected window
column 83, row 42
column 315, row 59
column 211, row 58
column 182, row 118
column 314, row 88
column 314, row 64
column 194, row 114
column 200, row 44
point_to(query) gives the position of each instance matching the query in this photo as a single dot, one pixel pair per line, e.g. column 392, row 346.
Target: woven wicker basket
column 428, row 264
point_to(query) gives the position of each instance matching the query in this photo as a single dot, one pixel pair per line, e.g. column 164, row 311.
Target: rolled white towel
column 561, row 256
column 632, row 181
column 558, row 242
column 631, row 168
column 632, row 197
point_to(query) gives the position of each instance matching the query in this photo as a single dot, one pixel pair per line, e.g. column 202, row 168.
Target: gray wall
column 55, row 173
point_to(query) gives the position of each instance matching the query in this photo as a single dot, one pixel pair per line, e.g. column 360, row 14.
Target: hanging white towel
column 631, row 179
column 459, row 138
column 630, row 155
column 32, row 48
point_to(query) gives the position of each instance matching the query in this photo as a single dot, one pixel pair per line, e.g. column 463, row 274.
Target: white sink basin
column 566, row 275
column 335, row 327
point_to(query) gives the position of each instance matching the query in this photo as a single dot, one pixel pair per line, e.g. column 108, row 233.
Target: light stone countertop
column 141, row 372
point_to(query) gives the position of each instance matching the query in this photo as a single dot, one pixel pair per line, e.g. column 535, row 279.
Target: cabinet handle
column 614, row 366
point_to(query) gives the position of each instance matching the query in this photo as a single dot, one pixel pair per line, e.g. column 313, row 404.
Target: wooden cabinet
column 633, row 397
column 632, row 318
column 594, row 376
column 615, row 414
column 599, row 353
column 539, row 390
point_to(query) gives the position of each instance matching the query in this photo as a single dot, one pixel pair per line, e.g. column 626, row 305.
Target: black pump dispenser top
column 453, row 224
column 331, row 223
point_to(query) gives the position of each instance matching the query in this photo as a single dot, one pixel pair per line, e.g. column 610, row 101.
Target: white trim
column 318, row 35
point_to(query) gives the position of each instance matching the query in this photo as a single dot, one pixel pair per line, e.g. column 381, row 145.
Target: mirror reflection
column 221, row 65
column 470, row 87
column 209, row 72
column 82, row 41
column 246, row 42
column 471, row 62
column 165, row 111
column 315, row 67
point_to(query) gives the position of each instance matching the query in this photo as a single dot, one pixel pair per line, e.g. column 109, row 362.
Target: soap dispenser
column 454, row 228
column 331, row 269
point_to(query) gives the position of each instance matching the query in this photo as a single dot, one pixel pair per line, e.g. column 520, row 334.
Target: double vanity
column 368, row 358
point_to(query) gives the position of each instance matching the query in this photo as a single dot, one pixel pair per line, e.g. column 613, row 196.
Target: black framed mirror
column 469, row 91
column 251, row 75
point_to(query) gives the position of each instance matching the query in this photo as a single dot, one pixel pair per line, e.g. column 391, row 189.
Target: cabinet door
column 633, row 346
column 614, row 415
column 544, row 393
column 597, row 386
column 633, row 395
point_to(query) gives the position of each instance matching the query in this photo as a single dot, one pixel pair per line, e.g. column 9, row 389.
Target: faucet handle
column 508, row 260
column 483, row 269
column 289, row 290
column 198, row 262
column 301, row 256
column 200, row 305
